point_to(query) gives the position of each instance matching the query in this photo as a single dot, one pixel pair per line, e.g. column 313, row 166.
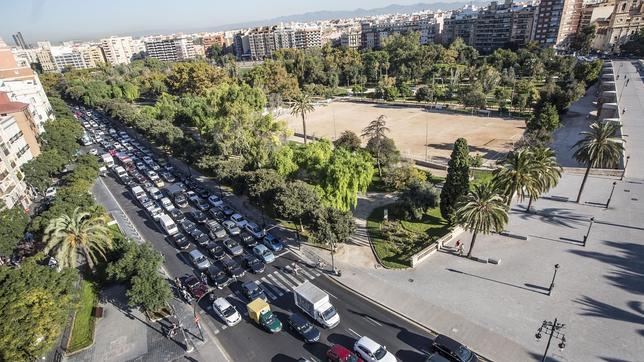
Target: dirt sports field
column 488, row 136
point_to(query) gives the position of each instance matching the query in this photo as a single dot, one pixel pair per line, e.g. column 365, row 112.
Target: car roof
column 195, row 253
column 298, row 319
column 369, row 343
column 221, row 303
column 447, row 342
column 340, row 350
column 260, row 247
column 250, row 285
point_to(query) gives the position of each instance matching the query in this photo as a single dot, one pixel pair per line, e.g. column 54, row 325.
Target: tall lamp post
column 611, row 194
column 552, row 283
column 625, row 165
column 189, row 346
column 552, row 329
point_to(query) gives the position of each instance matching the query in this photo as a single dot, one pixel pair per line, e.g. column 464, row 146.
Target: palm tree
column 302, row 105
column 67, row 235
column 375, row 132
column 517, row 175
column 548, row 171
column 482, row 210
column 598, row 148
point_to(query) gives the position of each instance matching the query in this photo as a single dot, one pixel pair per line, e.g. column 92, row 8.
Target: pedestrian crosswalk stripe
column 307, row 273
column 224, row 326
column 277, row 282
column 272, row 287
column 216, row 331
column 266, row 291
column 286, row 285
column 293, row 281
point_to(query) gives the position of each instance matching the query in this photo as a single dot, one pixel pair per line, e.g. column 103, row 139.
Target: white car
column 371, row 351
column 226, row 311
column 238, row 220
column 152, row 175
column 93, row 151
column 215, row 201
column 231, row 228
column 155, row 193
column 167, row 204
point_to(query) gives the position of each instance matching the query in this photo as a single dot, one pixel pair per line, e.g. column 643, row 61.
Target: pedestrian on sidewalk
column 623, row 110
column 459, row 248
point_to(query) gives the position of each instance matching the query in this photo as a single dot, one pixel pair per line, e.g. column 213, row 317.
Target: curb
column 399, row 314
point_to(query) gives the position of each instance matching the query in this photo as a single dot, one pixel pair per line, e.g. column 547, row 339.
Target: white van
column 120, row 172
column 138, row 192
column 108, row 160
column 168, row 224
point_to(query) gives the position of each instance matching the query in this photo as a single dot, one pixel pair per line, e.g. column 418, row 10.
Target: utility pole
column 552, row 283
column 611, row 194
column 592, row 220
column 552, row 329
column 625, row 165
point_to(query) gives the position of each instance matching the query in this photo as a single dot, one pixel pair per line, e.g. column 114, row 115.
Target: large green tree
column 547, row 170
column 517, row 175
column 13, row 224
column 296, row 201
column 457, row 183
column 348, row 140
column 417, row 198
column 35, row 301
column 546, row 118
column 302, row 106
column 598, row 147
column 378, row 144
column 482, row 211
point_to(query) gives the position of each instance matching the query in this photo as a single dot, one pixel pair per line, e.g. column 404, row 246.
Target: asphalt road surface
column 248, row 342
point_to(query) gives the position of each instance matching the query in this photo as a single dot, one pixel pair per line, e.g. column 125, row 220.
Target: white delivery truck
column 167, row 224
column 108, row 160
column 315, row 302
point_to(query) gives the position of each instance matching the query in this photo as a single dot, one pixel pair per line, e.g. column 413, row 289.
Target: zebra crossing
column 274, row 285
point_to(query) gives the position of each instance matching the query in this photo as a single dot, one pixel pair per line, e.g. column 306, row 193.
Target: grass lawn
column 432, row 225
column 83, row 330
column 480, row 177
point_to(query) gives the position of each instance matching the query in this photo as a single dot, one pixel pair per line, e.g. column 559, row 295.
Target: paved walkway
column 496, row 309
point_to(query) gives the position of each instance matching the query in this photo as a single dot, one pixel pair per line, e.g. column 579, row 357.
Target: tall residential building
column 14, row 152
column 170, row 49
column 626, row 20
column 20, row 112
column 216, row 39
column 350, row 39
column 557, row 22
column 262, row 42
column 66, row 57
column 22, row 84
column 92, row 55
column 460, row 25
column 46, row 60
column 493, row 27
column 20, row 41
column 375, row 32
column 118, row 50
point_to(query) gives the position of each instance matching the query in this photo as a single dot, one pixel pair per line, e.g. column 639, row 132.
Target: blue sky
column 85, row 19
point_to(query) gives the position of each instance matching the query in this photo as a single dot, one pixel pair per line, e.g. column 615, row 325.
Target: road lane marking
column 279, row 284
column 330, row 294
column 268, row 285
column 284, row 284
column 293, row 280
column 266, row 291
column 307, row 273
column 354, row 332
column 372, row 320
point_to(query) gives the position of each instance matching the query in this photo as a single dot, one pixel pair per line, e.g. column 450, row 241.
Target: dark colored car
column 255, row 265
column 252, row 291
column 200, row 237
column 453, row 350
column 303, row 328
column 218, row 215
column 233, row 268
column 219, row 277
column 216, row 251
column 180, row 240
column 247, row 239
column 339, row 353
column 202, row 192
column 227, row 210
column 203, row 205
column 195, row 286
column 177, row 215
column 198, row 216
column 180, row 199
column 187, row 226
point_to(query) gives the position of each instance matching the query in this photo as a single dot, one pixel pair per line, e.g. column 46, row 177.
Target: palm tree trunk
column 304, row 127
column 529, row 205
column 469, row 252
column 90, row 263
column 583, row 183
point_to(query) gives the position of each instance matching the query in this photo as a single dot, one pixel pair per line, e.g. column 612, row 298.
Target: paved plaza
column 496, row 309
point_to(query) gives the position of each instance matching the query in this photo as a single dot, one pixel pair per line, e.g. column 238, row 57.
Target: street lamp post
column 189, row 346
column 590, row 225
column 625, row 165
column 611, row 194
column 552, row 329
column 552, row 283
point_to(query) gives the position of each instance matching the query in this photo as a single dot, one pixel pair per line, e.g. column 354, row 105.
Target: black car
column 218, row 215
column 198, row 216
column 219, row 277
column 180, row 199
column 255, row 265
column 252, row 291
column 216, row 251
column 247, row 239
column 303, row 328
column 233, row 268
column 453, row 350
column 202, row 192
column 177, row 215
column 203, row 205
column 200, row 237
column 227, row 210
column 180, row 240
column 187, row 226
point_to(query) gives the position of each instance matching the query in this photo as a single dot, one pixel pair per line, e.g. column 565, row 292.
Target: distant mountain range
column 344, row 14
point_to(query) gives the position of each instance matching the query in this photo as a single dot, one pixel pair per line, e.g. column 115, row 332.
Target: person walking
column 459, row 248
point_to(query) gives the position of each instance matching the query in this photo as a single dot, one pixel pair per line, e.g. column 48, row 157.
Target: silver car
column 233, row 247
column 199, row 260
column 231, row 227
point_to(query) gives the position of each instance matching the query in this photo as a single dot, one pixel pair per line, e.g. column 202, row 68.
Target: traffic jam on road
column 240, row 271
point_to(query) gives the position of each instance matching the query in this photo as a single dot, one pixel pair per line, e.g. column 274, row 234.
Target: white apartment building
column 118, row 50
column 22, row 84
column 14, row 152
column 350, row 39
column 262, row 42
column 170, row 49
column 67, row 58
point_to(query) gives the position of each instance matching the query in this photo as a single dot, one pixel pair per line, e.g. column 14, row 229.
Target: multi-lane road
column 246, row 341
